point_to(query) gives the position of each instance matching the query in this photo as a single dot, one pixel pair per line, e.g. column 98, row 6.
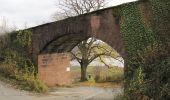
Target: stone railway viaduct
column 64, row 35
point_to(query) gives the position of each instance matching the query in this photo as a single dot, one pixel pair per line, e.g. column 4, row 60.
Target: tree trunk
column 83, row 72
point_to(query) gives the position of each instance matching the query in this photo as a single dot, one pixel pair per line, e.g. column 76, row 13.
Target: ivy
column 24, row 38
column 147, row 50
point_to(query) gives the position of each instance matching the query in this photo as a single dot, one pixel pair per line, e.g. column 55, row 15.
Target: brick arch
column 64, row 43
column 100, row 24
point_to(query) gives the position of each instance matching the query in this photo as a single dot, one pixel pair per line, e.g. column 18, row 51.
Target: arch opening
column 103, row 67
column 110, row 65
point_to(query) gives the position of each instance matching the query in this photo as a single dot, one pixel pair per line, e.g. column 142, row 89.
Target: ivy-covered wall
column 145, row 28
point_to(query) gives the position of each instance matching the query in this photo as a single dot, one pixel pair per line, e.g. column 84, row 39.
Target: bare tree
column 69, row 8
column 4, row 26
column 4, row 36
column 89, row 50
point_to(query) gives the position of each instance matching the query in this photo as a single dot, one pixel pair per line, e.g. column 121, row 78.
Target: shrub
column 15, row 50
column 100, row 74
column 104, row 74
column 119, row 97
column 31, row 82
column 8, row 70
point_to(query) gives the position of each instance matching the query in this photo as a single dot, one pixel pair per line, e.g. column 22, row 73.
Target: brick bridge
column 64, row 35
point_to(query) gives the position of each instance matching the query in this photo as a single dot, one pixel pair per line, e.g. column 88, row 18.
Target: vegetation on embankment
column 25, row 82
column 15, row 62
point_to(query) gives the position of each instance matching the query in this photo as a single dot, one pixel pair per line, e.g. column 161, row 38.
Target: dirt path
column 74, row 93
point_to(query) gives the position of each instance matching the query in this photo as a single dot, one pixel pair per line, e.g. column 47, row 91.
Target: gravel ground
column 73, row 93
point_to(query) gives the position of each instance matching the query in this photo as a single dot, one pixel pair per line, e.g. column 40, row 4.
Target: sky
column 29, row 13
column 109, row 61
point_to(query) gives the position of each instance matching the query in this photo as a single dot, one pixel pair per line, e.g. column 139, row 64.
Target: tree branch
column 104, row 62
column 94, row 57
column 78, row 59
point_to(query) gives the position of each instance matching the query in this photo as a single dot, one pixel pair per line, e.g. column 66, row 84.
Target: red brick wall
column 53, row 69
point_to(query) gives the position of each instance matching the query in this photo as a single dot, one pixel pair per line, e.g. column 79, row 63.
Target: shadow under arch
column 64, row 43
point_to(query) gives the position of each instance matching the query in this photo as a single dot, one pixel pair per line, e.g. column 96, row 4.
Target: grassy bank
column 24, row 82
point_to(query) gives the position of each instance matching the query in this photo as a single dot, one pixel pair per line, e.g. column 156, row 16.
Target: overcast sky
column 30, row 13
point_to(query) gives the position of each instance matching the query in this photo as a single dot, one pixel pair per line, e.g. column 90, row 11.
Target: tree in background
column 4, row 35
column 69, row 8
column 4, row 28
column 89, row 50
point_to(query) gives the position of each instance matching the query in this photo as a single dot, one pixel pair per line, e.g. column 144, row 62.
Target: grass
column 102, row 76
column 105, row 84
